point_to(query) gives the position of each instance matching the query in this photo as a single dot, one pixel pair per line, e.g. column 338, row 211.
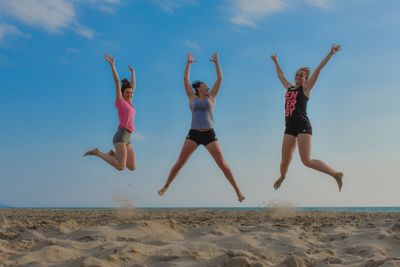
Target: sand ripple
column 197, row 238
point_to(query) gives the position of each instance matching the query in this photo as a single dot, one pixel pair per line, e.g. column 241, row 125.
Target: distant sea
column 319, row 209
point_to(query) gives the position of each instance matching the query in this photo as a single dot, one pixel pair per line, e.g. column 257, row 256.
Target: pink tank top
column 126, row 114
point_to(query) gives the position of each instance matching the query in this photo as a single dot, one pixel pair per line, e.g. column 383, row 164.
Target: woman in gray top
column 202, row 102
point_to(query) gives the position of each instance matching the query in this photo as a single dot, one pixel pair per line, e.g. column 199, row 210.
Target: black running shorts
column 298, row 128
column 202, row 137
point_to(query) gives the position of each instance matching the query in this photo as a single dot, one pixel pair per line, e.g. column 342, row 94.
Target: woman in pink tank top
column 124, row 155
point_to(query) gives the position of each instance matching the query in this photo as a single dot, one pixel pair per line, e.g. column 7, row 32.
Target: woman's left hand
column 335, row 48
column 214, row 58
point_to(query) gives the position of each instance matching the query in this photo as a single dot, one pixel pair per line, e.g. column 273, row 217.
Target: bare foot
column 111, row 153
column 92, row 152
column 241, row 198
column 278, row 183
column 162, row 191
column 339, row 180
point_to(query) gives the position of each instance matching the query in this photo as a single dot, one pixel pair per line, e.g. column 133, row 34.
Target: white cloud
column 239, row 20
column 172, row 5
column 53, row 15
column 105, row 6
column 72, row 51
column 319, row 3
column 103, row 2
column 249, row 12
column 139, row 137
column 9, row 30
column 192, row 45
column 84, row 31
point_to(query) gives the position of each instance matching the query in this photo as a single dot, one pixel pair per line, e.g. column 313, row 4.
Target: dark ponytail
column 196, row 85
column 125, row 84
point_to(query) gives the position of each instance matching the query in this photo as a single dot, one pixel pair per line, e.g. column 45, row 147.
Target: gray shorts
column 122, row 136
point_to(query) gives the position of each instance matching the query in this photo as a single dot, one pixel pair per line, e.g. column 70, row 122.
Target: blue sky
column 57, row 99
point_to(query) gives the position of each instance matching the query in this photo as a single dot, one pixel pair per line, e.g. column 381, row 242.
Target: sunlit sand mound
column 188, row 237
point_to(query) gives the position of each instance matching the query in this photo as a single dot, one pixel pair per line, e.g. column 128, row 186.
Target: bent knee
column 131, row 168
column 307, row 162
column 120, row 167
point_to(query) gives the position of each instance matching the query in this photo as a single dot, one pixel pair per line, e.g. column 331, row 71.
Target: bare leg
column 288, row 148
column 215, row 150
column 304, row 143
column 131, row 158
column 118, row 161
column 188, row 148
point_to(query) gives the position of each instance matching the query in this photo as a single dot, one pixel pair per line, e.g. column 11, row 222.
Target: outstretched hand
column 191, row 58
column 214, row 58
column 335, row 48
column 131, row 68
column 274, row 58
column 110, row 59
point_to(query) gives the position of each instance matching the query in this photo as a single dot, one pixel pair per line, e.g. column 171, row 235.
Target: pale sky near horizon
column 57, row 99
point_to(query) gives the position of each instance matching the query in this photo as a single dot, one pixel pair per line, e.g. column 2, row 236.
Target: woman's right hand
column 132, row 70
column 274, row 58
column 191, row 58
column 110, row 59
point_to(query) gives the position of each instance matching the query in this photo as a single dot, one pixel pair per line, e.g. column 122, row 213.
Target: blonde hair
column 306, row 70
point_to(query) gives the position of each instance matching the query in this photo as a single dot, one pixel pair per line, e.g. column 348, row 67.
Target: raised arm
column 186, row 78
column 111, row 60
column 133, row 78
column 217, row 85
column 314, row 76
column 280, row 73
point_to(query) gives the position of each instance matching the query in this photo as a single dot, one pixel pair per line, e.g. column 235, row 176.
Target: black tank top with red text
column 296, row 106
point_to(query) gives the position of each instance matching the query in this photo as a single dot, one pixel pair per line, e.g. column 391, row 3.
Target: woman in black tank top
column 298, row 127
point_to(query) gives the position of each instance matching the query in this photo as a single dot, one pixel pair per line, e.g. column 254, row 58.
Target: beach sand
column 195, row 237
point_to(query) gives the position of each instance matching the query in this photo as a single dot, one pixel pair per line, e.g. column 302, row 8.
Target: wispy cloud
column 10, row 30
column 53, row 16
column 192, row 45
column 72, row 51
column 249, row 12
column 84, row 31
column 139, row 137
column 172, row 5
column 319, row 3
column 105, row 6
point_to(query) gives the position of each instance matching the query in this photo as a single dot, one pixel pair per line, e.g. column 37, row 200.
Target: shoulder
column 118, row 101
column 192, row 99
column 306, row 91
column 211, row 98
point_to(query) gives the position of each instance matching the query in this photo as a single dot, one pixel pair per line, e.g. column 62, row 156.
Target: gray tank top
column 202, row 114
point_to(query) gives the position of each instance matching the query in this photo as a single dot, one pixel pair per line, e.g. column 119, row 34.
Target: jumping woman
column 201, row 102
column 298, row 127
column 124, row 155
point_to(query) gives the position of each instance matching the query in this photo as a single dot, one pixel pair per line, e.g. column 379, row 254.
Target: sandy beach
column 195, row 237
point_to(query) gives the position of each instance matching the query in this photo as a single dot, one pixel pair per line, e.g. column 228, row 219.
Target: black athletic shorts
column 298, row 128
column 202, row 137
